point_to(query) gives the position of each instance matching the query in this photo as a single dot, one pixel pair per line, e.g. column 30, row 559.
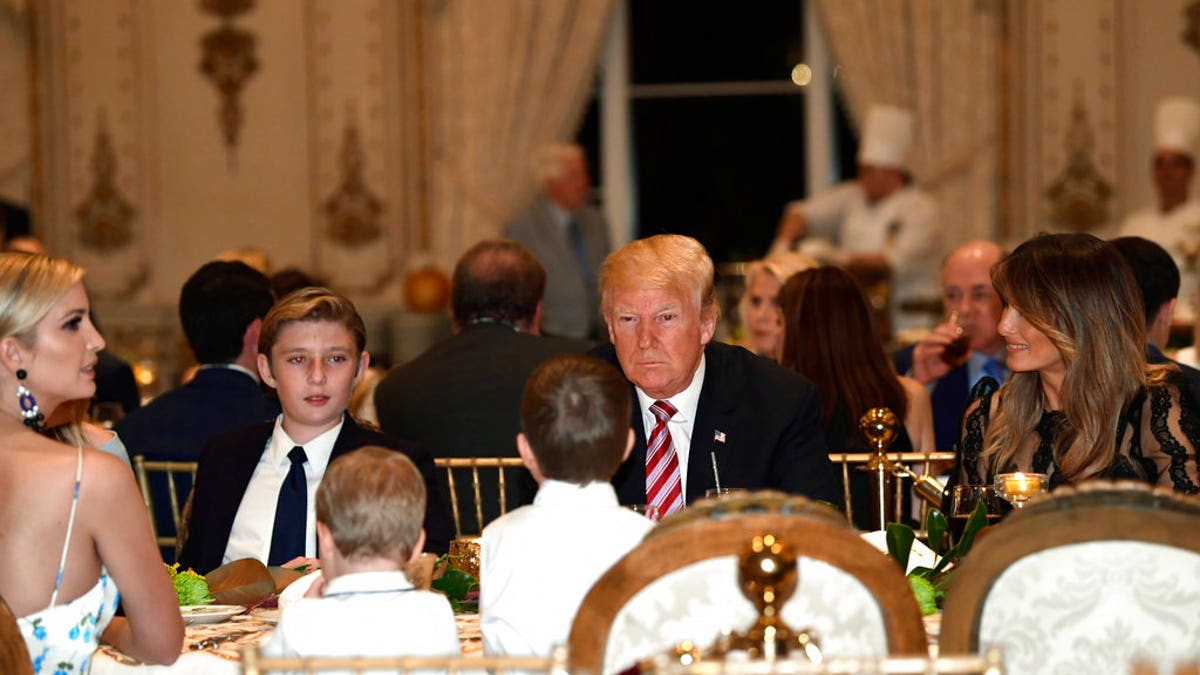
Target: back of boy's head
column 575, row 415
column 217, row 303
column 311, row 304
column 373, row 502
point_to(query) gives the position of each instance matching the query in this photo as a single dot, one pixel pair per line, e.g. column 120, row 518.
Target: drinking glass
column 962, row 504
column 719, row 493
column 648, row 510
column 956, row 352
column 1018, row 488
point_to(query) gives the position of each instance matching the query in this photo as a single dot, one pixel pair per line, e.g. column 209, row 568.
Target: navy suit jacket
column 176, row 424
column 227, row 463
column 771, row 419
column 949, row 399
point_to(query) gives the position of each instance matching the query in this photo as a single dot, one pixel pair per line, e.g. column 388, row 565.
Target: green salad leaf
column 190, row 588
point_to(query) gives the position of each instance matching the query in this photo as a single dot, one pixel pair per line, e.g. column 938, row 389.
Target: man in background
column 569, row 237
column 462, row 397
column 1173, row 221
column 221, row 308
column 1158, row 280
column 879, row 220
column 966, row 347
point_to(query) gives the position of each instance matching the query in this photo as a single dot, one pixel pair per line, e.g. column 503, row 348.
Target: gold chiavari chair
column 143, row 468
column 473, row 465
column 920, row 462
column 255, row 663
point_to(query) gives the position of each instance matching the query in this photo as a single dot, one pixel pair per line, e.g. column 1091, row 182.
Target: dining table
column 215, row 648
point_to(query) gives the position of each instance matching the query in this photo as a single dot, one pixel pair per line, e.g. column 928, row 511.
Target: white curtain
column 502, row 78
column 938, row 59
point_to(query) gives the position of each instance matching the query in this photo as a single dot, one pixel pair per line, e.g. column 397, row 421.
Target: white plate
column 194, row 614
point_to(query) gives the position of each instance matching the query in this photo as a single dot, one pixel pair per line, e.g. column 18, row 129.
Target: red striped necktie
column 662, row 465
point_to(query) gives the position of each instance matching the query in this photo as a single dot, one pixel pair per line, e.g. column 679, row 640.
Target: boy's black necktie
column 291, row 512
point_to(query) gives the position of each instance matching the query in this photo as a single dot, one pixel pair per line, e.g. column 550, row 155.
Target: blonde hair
column 313, row 303
column 780, row 266
column 373, row 502
column 662, row 262
column 30, row 286
column 1077, row 291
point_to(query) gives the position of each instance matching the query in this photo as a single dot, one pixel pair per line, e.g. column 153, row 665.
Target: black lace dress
column 1157, row 437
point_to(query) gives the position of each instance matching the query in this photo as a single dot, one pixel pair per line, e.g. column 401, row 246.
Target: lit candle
column 1020, row 485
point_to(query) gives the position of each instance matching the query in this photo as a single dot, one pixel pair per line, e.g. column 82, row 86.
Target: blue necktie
column 291, row 512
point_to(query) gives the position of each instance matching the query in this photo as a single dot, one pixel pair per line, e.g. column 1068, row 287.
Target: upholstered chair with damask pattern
column 1085, row 580
column 681, row 584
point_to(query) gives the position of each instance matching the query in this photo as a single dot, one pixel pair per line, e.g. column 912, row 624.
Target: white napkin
column 919, row 555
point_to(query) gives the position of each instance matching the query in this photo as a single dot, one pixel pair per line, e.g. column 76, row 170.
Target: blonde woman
column 758, row 310
column 1081, row 402
column 74, row 525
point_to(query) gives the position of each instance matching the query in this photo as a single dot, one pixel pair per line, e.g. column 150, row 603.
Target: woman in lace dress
column 1082, row 402
column 73, row 523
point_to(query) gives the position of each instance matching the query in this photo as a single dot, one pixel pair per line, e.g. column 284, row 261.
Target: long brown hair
column 1078, row 291
column 830, row 338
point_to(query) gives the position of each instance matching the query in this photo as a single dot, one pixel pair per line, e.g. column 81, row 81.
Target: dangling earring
column 34, row 419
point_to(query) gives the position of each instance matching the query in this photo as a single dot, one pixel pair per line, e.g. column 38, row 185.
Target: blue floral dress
column 62, row 638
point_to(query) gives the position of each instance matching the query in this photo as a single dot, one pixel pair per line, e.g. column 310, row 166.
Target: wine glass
column 1018, row 487
column 956, row 353
column 963, row 501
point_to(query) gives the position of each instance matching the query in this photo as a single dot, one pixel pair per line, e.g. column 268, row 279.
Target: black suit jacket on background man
column 949, row 399
column 771, row 419
column 462, row 398
column 227, row 463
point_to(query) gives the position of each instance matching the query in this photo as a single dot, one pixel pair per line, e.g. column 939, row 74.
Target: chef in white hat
column 880, row 217
column 1173, row 222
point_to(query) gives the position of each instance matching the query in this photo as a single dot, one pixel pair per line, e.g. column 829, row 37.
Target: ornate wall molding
column 228, row 60
column 352, row 212
column 105, row 216
column 1079, row 196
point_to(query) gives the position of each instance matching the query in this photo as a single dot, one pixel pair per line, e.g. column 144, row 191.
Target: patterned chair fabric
column 682, row 584
column 1090, row 580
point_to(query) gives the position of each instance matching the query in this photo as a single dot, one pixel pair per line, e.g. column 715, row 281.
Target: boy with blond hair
column 255, row 486
column 369, row 511
column 538, row 561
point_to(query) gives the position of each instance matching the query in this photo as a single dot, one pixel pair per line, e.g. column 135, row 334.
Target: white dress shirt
column 367, row 614
column 903, row 227
column 537, row 562
column 680, row 425
column 250, row 536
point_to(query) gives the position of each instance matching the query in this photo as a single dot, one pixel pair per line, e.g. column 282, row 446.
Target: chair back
column 469, row 468
column 1091, row 579
column 681, row 584
column 14, row 655
column 171, row 471
column 255, row 663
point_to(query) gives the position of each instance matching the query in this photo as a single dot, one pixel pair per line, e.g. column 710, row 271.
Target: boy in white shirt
column 369, row 506
column 537, row 562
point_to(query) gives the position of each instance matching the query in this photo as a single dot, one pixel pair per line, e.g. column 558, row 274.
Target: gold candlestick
column 879, row 427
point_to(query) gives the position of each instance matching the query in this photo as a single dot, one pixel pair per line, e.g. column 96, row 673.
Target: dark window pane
column 714, row 40
column 718, row 169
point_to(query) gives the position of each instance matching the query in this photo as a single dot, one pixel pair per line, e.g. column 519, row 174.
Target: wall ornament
column 228, row 61
column 1079, row 196
column 352, row 211
column 105, row 216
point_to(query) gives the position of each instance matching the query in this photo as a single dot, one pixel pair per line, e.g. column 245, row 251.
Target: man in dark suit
column 255, row 486
column 705, row 414
column 221, row 308
column 569, row 237
column 1158, row 280
column 972, row 312
column 462, row 397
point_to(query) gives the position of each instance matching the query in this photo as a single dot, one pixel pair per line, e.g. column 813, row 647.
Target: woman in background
column 758, row 310
column 829, row 337
column 1081, row 402
column 74, row 524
